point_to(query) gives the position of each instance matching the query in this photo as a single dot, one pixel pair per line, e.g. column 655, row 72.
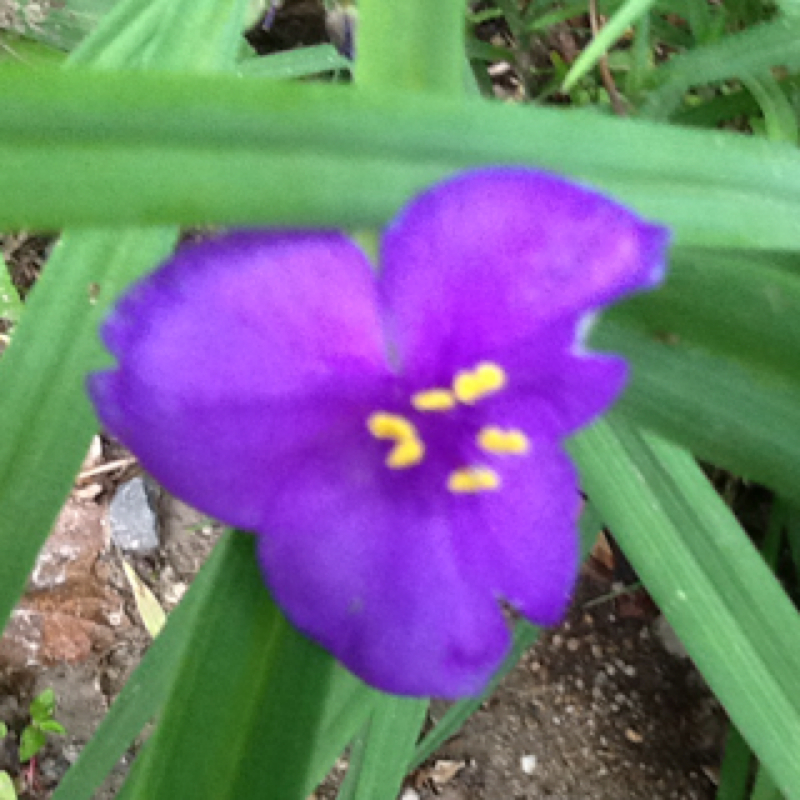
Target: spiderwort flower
column 393, row 441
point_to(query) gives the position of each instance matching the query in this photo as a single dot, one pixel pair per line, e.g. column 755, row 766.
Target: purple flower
column 395, row 442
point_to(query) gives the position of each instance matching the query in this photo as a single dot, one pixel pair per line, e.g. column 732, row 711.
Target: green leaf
column 7, row 790
column 711, row 583
column 43, row 706
column 31, row 742
column 20, row 49
column 99, row 147
column 250, row 695
column 750, row 52
column 298, row 63
column 417, row 46
column 46, row 422
column 735, row 772
column 628, row 13
column 779, row 115
column 764, row 787
column 52, row 726
column 3, row 730
column 146, row 690
column 716, row 361
column 380, row 754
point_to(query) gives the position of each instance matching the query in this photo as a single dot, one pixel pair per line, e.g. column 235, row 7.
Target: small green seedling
column 34, row 736
column 7, row 790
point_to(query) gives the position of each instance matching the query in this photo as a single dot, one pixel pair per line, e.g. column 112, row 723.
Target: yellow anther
column 406, row 453
column 496, row 440
column 484, row 379
column 433, row 400
column 383, row 425
column 473, row 479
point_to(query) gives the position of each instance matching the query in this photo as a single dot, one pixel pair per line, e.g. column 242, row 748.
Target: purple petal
column 368, row 562
column 400, row 578
column 483, row 262
column 562, row 393
column 526, row 548
column 235, row 353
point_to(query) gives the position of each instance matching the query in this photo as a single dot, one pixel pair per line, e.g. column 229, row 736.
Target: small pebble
column 634, row 736
column 528, row 764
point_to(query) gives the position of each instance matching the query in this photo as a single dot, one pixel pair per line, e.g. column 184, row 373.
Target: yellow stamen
column 406, row 453
column 486, row 378
column 473, row 479
column 383, row 425
column 496, row 440
column 433, row 400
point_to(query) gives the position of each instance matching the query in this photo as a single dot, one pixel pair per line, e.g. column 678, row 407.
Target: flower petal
column 235, row 352
column 484, row 261
column 559, row 394
column 522, row 543
column 400, row 578
column 370, row 566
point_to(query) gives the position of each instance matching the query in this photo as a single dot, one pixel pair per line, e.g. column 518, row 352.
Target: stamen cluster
column 469, row 387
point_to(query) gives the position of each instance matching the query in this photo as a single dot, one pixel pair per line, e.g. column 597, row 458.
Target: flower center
column 469, row 387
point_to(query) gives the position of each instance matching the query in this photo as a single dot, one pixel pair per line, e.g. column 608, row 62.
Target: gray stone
column 669, row 639
column 133, row 520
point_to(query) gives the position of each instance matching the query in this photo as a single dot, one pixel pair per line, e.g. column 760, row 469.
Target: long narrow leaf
column 251, row 701
column 381, row 753
column 46, row 422
column 111, row 148
column 716, row 361
column 628, row 13
column 771, row 44
column 709, row 580
column 146, row 690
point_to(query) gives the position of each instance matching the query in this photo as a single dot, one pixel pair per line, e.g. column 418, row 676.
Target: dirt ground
column 599, row 709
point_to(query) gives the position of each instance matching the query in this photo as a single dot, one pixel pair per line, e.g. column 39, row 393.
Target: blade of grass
column 779, row 115
column 100, row 147
column 735, row 773
column 254, row 704
column 750, row 52
column 380, row 753
column 711, row 583
column 399, row 52
column 145, row 691
column 45, row 416
column 765, row 788
column 613, row 30
column 299, row 63
column 714, row 353
column 417, row 46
